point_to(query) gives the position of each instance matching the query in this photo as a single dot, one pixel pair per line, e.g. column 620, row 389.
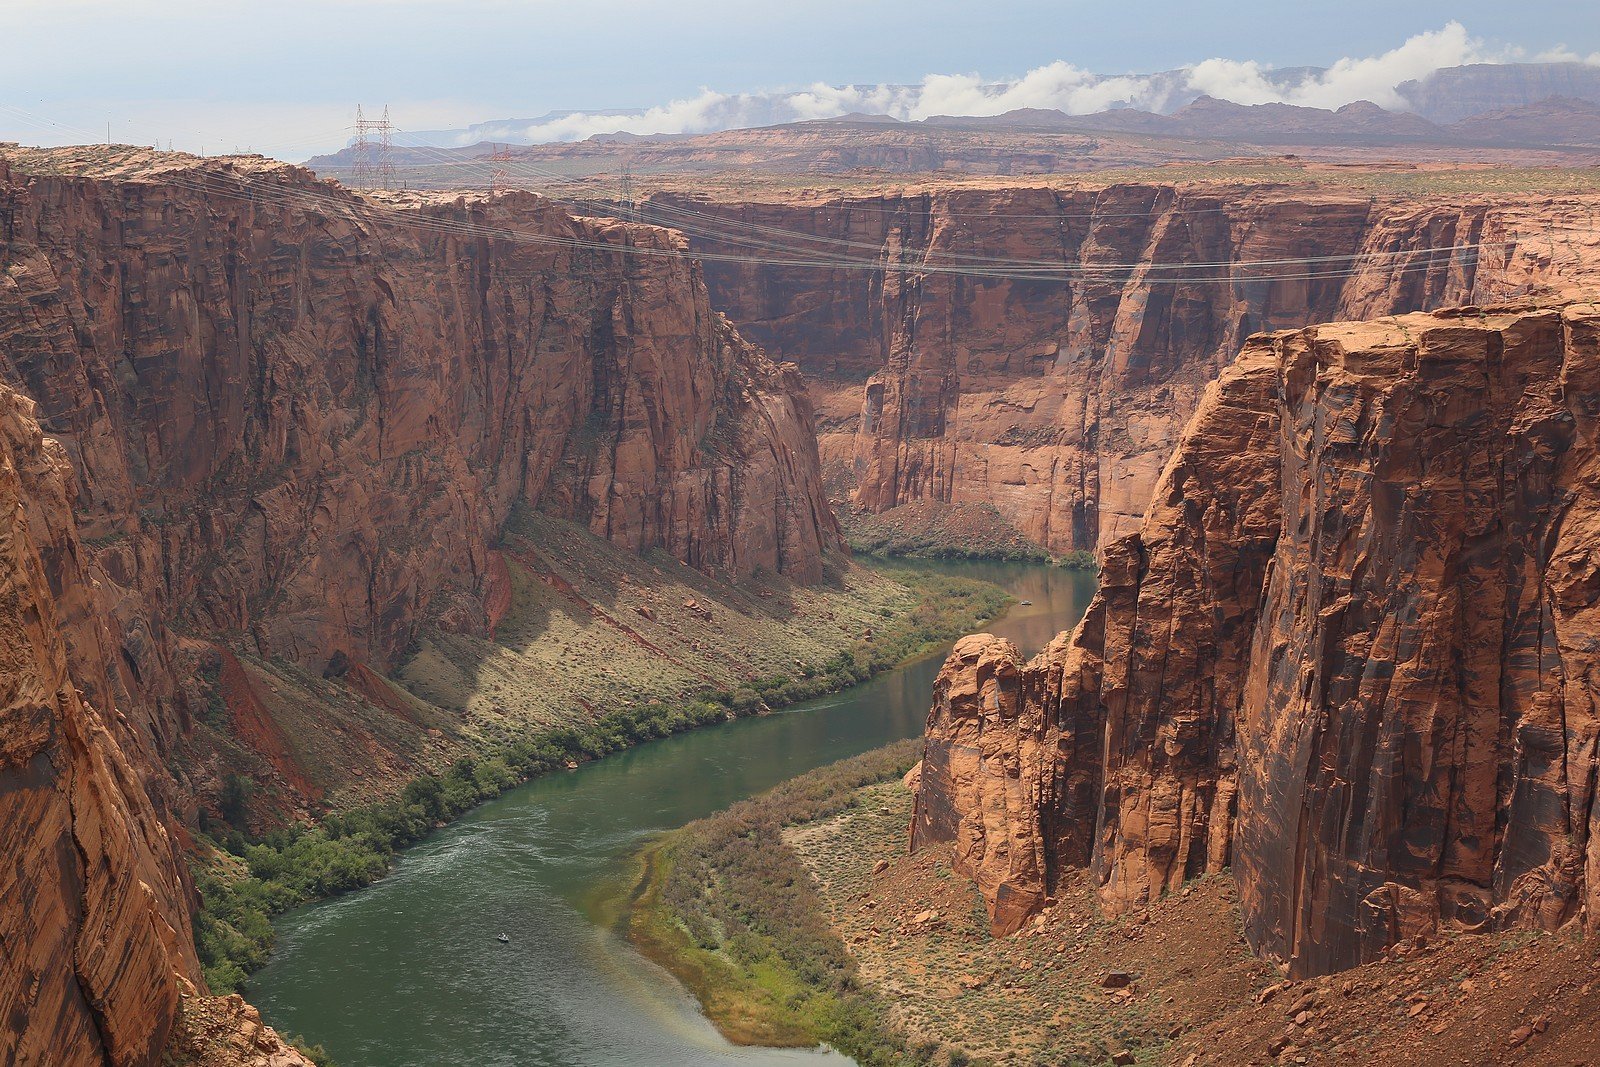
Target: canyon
column 300, row 419
column 285, row 422
column 1348, row 656
column 1331, row 437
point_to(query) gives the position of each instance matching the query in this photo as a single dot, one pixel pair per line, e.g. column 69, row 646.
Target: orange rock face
column 979, row 780
column 1058, row 402
column 293, row 421
column 301, row 419
column 1350, row 653
column 1419, row 723
column 94, row 915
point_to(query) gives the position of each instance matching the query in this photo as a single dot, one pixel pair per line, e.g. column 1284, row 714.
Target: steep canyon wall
column 1350, row 653
column 94, row 924
column 299, row 420
column 1058, row 401
column 282, row 419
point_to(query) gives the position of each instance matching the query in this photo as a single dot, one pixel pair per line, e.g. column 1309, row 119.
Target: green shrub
column 315, row 1053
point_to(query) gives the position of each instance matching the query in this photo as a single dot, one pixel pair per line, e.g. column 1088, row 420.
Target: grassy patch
column 593, row 627
column 727, row 907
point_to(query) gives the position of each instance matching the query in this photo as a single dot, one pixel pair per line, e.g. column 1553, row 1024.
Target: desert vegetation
column 728, row 907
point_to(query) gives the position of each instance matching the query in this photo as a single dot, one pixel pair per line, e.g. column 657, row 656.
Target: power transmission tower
column 500, row 176
column 625, row 193
column 373, row 165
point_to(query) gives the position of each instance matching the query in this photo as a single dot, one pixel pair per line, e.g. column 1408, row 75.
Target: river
column 409, row 971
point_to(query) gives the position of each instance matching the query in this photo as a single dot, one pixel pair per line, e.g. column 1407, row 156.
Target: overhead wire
column 1041, row 270
column 724, row 237
column 250, row 188
column 709, row 227
column 1048, row 267
column 254, row 188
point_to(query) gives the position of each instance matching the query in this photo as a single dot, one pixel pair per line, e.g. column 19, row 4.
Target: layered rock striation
column 1057, row 398
column 94, row 907
column 288, row 421
column 1349, row 654
column 299, row 418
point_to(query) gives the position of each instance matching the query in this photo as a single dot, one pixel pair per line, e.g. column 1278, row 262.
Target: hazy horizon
column 78, row 67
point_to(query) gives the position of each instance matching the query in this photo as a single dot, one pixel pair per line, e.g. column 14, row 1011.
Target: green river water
column 409, row 971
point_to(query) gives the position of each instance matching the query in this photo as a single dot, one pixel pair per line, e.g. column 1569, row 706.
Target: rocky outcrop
column 299, row 417
column 94, row 909
column 1057, row 400
column 227, row 1032
column 1419, row 722
column 978, row 776
column 1350, row 654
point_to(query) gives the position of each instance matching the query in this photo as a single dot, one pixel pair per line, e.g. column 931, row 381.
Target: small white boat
column 503, row 939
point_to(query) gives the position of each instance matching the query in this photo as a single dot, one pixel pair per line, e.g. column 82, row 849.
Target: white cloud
column 1059, row 85
column 1373, row 78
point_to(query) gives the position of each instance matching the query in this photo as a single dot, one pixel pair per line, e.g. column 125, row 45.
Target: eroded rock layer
column 301, row 418
column 1057, row 399
column 290, row 421
column 94, row 911
column 1351, row 653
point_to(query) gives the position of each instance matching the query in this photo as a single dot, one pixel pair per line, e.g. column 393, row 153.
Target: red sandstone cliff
column 94, row 924
column 292, row 421
column 299, row 419
column 1058, row 402
column 1350, row 653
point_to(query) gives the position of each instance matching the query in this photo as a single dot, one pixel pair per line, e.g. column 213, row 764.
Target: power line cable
column 250, row 188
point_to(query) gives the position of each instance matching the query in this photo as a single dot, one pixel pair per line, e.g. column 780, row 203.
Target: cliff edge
column 1350, row 654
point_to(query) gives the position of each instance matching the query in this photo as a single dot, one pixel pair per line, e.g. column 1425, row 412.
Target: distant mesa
column 1443, row 98
column 1535, row 114
column 1555, row 120
column 1452, row 94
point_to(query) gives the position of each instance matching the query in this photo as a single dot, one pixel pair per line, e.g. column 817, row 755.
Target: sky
column 284, row 77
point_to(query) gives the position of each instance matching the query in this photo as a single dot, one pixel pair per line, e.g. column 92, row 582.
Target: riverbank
column 577, row 628
column 725, row 906
column 411, row 970
column 797, row 917
column 245, row 883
